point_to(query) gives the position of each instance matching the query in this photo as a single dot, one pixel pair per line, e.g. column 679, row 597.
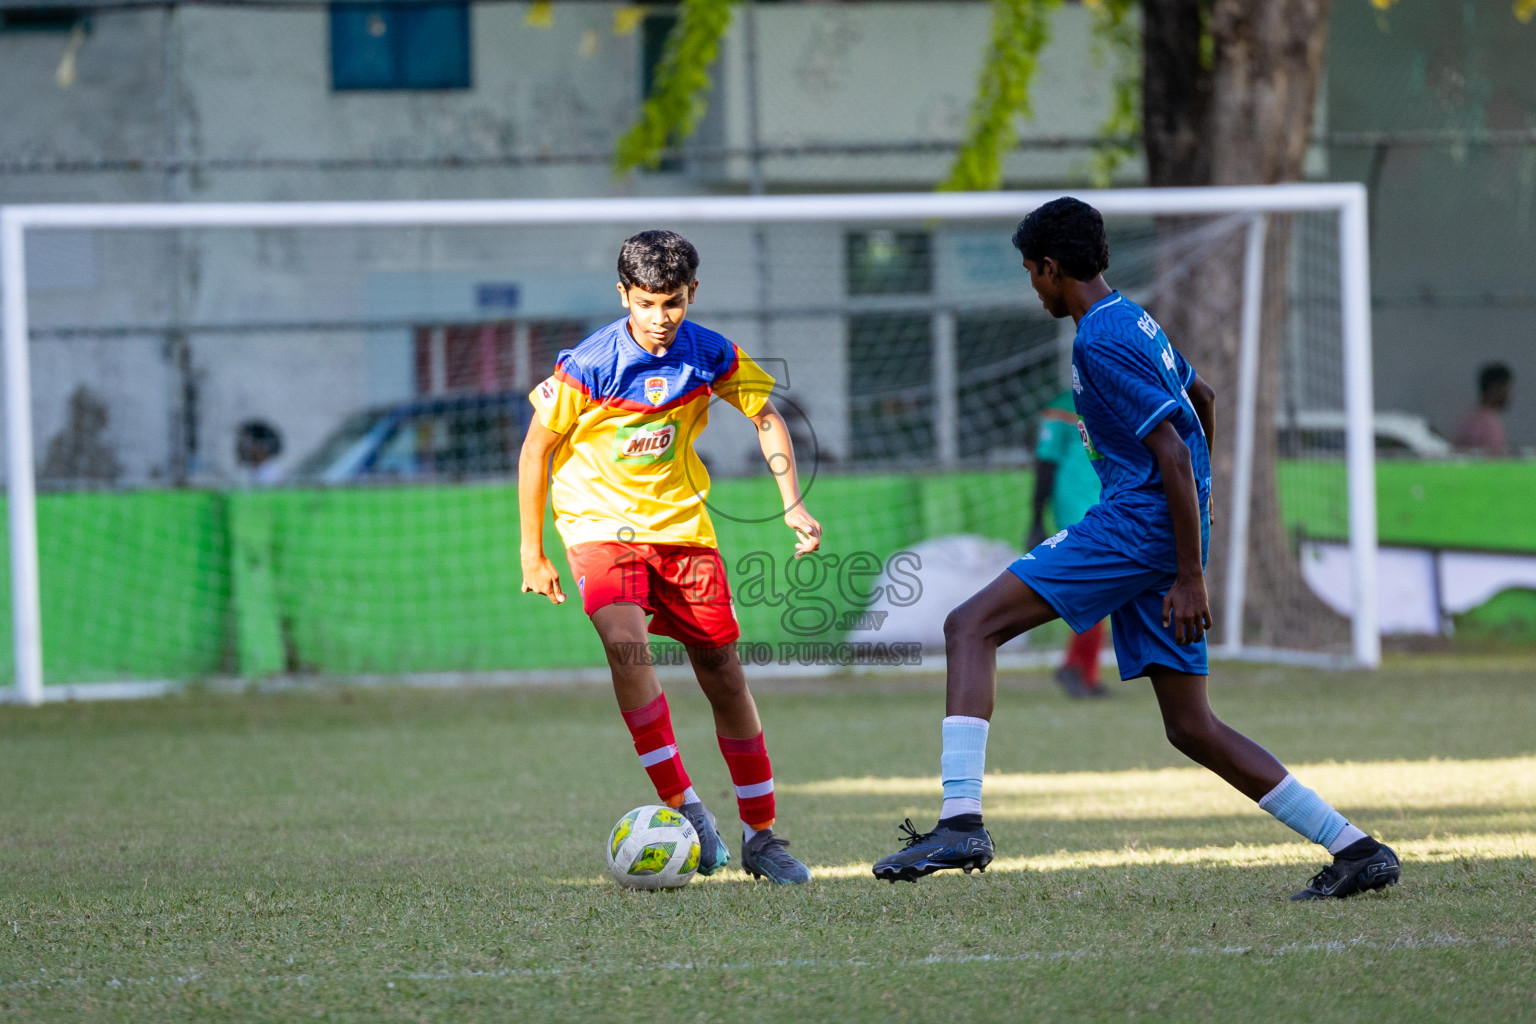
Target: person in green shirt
column 1065, row 477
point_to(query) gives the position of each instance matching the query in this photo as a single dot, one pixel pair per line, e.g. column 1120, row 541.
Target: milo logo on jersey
column 1082, row 430
column 647, row 442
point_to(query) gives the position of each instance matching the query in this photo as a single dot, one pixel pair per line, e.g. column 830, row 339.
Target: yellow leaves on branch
column 1524, row 10
column 541, row 14
column 627, row 19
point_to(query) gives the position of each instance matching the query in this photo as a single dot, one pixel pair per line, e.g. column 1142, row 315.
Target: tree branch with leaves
column 1020, row 30
column 677, row 101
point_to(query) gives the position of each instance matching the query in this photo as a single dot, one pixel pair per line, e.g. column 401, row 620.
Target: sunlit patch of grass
column 1504, row 788
column 433, row 855
column 1499, row 846
column 1496, row 783
column 1492, row 846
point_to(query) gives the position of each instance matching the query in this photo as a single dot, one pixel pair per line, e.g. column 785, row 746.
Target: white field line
column 1411, row 941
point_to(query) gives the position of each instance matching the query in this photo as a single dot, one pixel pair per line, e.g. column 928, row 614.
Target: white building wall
column 876, row 73
column 220, row 83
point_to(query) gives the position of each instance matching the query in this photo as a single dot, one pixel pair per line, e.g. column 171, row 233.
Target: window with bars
column 492, row 356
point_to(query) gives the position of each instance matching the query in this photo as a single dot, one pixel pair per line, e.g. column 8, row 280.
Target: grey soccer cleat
column 1354, row 870
column 968, row 847
column 1071, row 679
column 765, row 855
column 713, row 854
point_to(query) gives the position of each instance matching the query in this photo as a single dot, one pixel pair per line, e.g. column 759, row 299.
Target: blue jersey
column 1126, row 379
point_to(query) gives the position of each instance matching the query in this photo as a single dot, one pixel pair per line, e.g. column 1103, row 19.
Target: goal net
column 256, row 440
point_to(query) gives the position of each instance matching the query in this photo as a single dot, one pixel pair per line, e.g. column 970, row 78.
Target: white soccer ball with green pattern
column 653, row 847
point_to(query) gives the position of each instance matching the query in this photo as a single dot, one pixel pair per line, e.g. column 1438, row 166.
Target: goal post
column 20, row 225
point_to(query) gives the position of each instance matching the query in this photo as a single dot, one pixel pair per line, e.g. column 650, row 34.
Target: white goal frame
column 1346, row 200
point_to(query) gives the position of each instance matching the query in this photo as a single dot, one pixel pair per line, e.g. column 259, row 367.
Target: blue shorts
column 1085, row 581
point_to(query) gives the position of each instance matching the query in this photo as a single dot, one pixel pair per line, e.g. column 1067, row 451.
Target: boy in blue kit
column 1145, row 418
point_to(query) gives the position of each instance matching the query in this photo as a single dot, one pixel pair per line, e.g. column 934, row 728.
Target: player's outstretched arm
column 539, row 574
column 779, row 453
column 1186, row 606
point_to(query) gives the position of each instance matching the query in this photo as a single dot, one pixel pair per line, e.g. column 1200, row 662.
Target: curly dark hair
column 658, row 261
column 1069, row 231
column 1492, row 376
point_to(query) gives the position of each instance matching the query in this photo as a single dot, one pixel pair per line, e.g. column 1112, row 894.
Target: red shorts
column 682, row 586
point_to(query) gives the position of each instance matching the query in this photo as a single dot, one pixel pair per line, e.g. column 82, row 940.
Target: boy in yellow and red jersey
column 618, row 418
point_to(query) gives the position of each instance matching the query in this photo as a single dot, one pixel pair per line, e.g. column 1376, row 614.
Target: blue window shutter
column 435, row 46
column 363, row 40
column 413, row 45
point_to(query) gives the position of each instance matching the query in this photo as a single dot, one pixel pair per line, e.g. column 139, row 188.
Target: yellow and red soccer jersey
column 627, row 470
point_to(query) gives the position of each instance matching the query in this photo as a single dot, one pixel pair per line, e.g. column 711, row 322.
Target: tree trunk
column 1175, row 92
column 1242, row 119
column 1268, row 57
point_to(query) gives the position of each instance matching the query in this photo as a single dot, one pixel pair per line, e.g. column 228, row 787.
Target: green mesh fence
column 189, row 584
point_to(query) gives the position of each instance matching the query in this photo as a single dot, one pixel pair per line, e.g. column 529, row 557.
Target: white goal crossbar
column 1347, row 200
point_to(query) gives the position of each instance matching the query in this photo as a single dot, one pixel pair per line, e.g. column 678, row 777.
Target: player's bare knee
column 961, row 627
column 723, row 688
column 723, row 692
column 1191, row 734
column 629, row 655
column 710, row 659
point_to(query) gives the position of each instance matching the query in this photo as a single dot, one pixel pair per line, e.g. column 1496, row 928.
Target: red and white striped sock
column 651, row 727
column 752, row 775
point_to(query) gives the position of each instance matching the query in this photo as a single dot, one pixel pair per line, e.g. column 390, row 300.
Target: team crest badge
column 655, row 389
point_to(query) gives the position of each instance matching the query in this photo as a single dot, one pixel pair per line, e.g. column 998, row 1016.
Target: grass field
column 397, row 854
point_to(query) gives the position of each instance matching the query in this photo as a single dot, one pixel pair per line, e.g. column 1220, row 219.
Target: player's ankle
column 969, row 822
column 1359, row 848
column 748, row 830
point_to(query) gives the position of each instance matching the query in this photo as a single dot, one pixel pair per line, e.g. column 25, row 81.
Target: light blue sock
column 1305, row 811
column 961, row 764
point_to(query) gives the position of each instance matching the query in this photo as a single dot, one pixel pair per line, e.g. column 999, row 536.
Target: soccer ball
column 653, row 847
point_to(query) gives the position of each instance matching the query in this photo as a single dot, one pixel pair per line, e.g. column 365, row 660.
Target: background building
column 194, row 103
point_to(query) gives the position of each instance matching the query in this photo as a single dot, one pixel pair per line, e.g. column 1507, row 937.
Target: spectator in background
column 1065, row 477
column 1481, row 430
column 257, row 446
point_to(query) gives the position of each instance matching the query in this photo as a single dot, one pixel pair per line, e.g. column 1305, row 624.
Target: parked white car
column 1398, row 435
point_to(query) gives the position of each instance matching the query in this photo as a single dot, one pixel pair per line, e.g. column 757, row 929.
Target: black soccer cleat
column 1356, row 868
column 948, row 846
column 766, row 855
